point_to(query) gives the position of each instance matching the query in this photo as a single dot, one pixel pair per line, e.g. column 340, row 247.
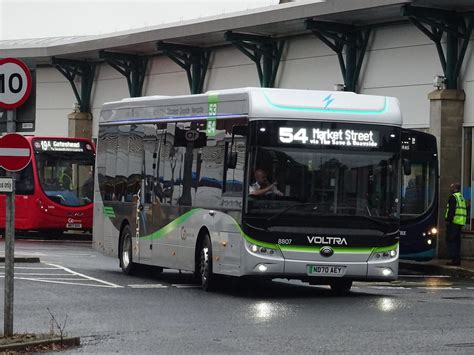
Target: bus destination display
column 328, row 137
column 58, row 146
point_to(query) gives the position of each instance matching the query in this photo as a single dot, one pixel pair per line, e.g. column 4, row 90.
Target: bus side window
column 209, row 162
column 135, row 162
column 108, row 166
column 122, row 164
column 150, row 155
column 235, row 158
column 24, row 182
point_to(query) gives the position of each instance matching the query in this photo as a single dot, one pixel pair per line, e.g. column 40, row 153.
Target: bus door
column 163, row 171
column 130, row 187
column 144, row 220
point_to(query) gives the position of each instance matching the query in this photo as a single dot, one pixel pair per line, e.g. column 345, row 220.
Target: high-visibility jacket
column 460, row 214
column 66, row 180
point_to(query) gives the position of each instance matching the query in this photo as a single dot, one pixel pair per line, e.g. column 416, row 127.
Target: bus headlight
column 378, row 254
column 261, row 250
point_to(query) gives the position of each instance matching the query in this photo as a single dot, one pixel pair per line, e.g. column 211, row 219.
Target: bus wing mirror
column 406, row 166
column 232, row 162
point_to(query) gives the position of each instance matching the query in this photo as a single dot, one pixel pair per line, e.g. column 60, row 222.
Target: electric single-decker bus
column 269, row 183
column 54, row 193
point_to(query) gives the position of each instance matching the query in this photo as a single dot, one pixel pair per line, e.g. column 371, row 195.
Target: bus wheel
column 205, row 264
column 341, row 287
column 126, row 261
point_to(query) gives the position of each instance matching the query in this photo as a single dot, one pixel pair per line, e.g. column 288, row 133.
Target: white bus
column 271, row 183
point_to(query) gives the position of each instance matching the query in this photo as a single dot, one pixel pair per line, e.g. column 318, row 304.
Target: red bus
column 54, row 193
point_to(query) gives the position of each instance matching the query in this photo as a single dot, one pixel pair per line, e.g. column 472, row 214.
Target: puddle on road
column 387, row 304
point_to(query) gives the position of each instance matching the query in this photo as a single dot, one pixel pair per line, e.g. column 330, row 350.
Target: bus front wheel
column 205, row 265
column 126, row 259
column 341, row 287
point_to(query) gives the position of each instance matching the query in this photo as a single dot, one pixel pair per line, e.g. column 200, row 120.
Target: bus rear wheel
column 126, row 258
column 205, row 265
column 341, row 287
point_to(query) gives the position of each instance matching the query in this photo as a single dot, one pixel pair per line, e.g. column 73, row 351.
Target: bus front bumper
column 277, row 266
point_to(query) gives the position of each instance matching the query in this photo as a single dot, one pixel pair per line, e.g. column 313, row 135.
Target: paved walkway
column 466, row 269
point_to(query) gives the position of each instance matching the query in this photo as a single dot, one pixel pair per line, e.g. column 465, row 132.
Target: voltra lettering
column 326, row 240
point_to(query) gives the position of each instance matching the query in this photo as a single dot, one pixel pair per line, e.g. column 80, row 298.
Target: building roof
column 283, row 20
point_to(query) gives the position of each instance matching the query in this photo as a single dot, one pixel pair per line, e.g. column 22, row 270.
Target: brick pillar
column 446, row 120
column 80, row 124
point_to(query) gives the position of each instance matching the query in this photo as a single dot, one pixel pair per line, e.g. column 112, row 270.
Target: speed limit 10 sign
column 15, row 83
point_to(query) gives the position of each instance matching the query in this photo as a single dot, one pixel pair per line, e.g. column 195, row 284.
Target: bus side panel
column 174, row 244
column 164, row 240
column 26, row 213
column 227, row 240
column 98, row 226
column 106, row 235
column 105, row 232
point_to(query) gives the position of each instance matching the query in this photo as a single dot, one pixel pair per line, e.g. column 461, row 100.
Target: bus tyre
column 205, row 265
column 341, row 287
column 126, row 260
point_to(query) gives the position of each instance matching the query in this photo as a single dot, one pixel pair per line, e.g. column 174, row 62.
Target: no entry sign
column 15, row 83
column 15, row 152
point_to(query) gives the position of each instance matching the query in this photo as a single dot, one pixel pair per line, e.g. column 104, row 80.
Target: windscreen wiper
column 286, row 209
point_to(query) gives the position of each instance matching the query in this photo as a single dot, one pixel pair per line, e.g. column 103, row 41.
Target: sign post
column 15, row 154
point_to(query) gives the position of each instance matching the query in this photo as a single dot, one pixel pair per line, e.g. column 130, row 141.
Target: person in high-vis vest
column 455, row 217
column 65, row 179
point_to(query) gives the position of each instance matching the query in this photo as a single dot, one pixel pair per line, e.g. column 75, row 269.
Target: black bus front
column 328, row 203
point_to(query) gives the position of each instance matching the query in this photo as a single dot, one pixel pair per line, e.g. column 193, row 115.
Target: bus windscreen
column 65, row 171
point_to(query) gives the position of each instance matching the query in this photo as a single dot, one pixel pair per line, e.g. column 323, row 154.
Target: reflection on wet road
column 113, row 312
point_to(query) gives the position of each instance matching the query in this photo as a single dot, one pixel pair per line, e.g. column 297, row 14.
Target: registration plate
column 326, row 270
column 74, row 225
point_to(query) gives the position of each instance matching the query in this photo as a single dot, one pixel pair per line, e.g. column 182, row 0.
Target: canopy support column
column 339, row 36
column 194, row 60
column 132, row 67
column 265, row 52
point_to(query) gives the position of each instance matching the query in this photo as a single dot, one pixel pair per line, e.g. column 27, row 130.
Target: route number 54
column 287, row 136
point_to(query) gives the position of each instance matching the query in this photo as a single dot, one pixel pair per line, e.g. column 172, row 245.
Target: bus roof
column 256, row 103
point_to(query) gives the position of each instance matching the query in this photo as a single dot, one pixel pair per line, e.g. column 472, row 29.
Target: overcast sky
column 20, row 19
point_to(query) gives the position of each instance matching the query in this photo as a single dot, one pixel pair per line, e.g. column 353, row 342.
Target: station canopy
column 278, row 21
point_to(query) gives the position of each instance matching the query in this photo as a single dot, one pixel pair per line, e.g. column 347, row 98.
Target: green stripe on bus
column 257, row 242
column 171, row 226
column 309, row 249
column 109, row 211
column 312, row 249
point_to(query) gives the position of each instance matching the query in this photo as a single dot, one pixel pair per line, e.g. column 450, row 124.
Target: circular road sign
column 15, row 83
column 15, row 152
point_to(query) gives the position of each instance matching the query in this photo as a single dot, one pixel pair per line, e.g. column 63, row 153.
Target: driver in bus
column 65, row 179
column 262, row 186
